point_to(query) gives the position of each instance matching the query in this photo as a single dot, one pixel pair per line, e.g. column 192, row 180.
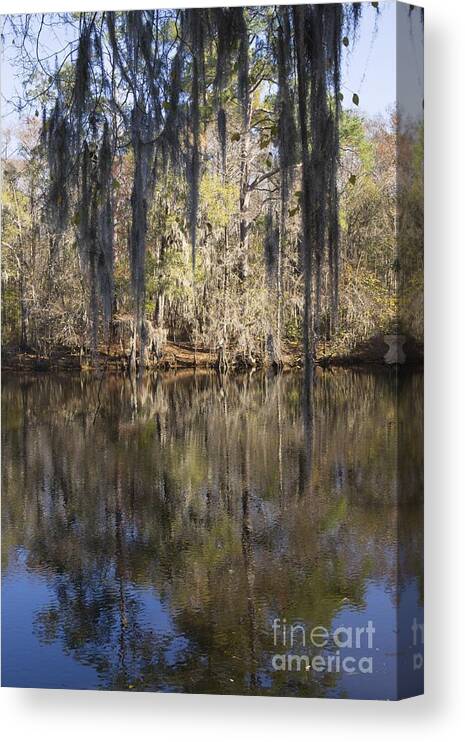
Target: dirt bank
column 177, row 356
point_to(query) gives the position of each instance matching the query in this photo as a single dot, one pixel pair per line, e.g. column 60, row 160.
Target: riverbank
column 178, row 356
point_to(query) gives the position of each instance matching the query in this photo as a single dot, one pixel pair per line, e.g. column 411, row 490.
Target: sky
column 369, row 66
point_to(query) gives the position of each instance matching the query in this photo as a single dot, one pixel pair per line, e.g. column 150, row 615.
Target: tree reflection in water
column 172, row 526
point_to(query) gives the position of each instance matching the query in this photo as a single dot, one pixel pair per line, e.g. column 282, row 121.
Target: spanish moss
column 152, row 92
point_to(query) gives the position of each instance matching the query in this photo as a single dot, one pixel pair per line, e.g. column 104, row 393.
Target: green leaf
column 293, row 212
column 345, row 41
column 235, row 137
column 355, row 99
column 352, row 179
column 375, row 5
column 340, row 96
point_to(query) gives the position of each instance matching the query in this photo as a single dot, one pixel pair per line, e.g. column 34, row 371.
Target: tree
column 217, row 133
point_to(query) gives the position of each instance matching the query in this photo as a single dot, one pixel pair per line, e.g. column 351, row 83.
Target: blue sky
column 370, row 64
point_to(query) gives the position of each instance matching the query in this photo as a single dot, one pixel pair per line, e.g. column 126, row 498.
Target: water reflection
column 151, row 534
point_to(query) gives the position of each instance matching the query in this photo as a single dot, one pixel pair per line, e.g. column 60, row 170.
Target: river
column 164, row 536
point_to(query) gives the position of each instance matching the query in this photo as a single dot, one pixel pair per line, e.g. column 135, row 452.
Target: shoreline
column 183, row 357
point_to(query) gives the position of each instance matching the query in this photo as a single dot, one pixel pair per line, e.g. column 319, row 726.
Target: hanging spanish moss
column 230, row 28
column 105, row 257
column 273, row 267
column 318, row 33
column 86, row 237
column 82, row 78
column 223, row 19
column 146, row 91
column 222, row 136
column 299, row 19
column 195, row 29
column 95, row 227
column 271, row 247
column 58, row 145
column 319, row 59
column 139, row 70
column 142, row 145
column 284, row 102
column 243, row 65
column 80, row 167
column 287, row 141
column 170, row 141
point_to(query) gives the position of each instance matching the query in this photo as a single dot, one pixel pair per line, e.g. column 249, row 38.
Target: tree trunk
column 306, row 198
column 159, row 316
column 24, row 340
column 244, row 198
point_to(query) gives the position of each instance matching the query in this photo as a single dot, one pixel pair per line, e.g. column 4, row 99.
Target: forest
column 187, row 188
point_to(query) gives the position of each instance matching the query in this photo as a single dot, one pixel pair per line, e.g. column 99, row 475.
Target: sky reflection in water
column 150, row 546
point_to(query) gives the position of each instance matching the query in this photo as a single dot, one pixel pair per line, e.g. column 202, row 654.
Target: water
column 152, row 535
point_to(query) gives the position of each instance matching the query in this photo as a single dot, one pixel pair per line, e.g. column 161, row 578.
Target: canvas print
column 212, row 342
